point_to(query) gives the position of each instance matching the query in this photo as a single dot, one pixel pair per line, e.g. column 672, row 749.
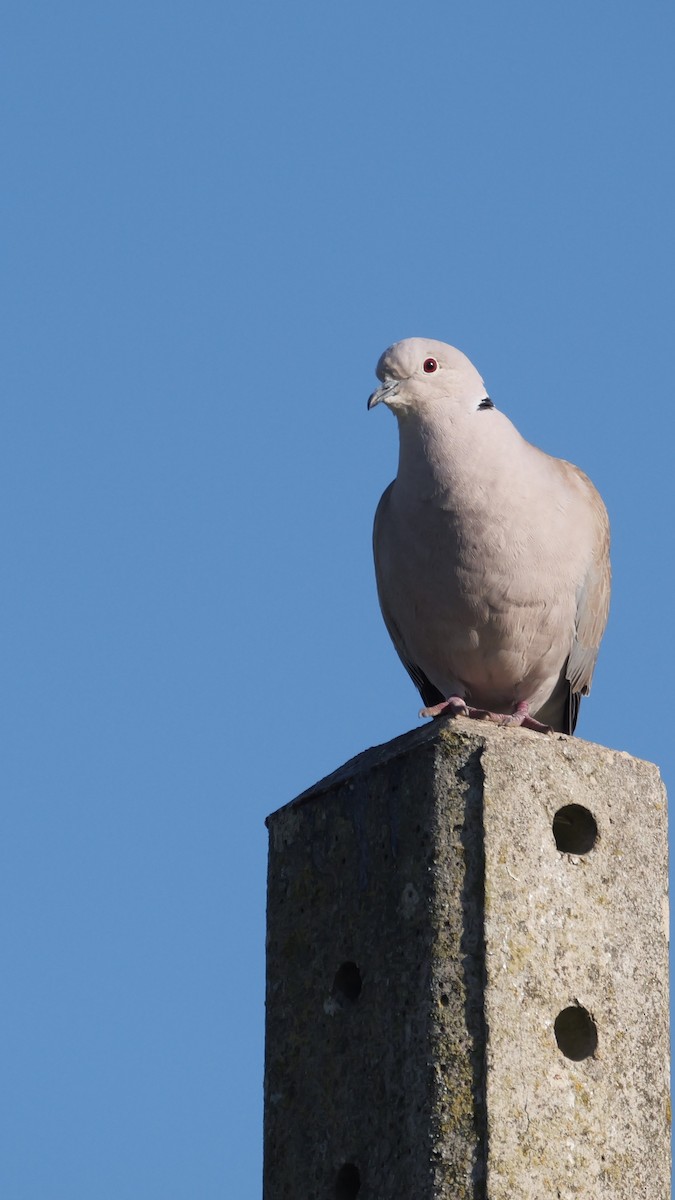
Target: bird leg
column 455, row 706
column 522, row 717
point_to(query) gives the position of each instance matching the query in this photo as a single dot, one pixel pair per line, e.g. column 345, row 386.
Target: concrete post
column 467, row 989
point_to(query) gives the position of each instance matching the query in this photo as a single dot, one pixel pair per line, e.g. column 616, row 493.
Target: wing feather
column 592, row 600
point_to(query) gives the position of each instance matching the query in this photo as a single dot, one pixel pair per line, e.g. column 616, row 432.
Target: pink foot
column 454, row 706
column 522, row 717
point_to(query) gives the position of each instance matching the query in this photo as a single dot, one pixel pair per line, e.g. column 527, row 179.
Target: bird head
column 419, row 374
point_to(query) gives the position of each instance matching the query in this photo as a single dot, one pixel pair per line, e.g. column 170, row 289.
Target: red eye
column 430, row 365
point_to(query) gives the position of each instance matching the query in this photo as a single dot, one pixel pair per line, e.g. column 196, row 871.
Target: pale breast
column 484, row 598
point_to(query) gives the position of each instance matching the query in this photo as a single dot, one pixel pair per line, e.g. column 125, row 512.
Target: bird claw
column 454, row 706
column 524, row 722
column 522, row 717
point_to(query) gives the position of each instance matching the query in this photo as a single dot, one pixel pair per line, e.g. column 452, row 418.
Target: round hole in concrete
column 347, row 983
column 576, row 1032
column 348, row 1182
column 575, row 829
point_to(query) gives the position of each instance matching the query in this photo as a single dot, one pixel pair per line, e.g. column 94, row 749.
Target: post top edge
column 475, row 734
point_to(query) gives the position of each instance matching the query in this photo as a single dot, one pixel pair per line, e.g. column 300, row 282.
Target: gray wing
column 592, row 601
column 427, row 690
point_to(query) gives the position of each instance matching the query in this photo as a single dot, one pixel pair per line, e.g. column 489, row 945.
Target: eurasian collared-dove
column 492, row 558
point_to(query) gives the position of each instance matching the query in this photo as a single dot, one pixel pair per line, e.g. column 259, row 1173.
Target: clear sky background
column 214, row 219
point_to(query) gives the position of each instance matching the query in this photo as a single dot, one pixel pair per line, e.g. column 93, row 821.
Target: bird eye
column 430, row 365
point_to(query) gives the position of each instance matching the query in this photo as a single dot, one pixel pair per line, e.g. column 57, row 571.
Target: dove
column 491, row 556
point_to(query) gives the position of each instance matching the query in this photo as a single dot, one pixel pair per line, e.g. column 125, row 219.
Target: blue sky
column 213, row 223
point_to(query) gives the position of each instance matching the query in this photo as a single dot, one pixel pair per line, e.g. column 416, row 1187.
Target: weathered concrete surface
column 424, row 934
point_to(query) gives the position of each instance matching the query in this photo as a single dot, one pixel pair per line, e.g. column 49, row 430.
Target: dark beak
column 382, row 394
